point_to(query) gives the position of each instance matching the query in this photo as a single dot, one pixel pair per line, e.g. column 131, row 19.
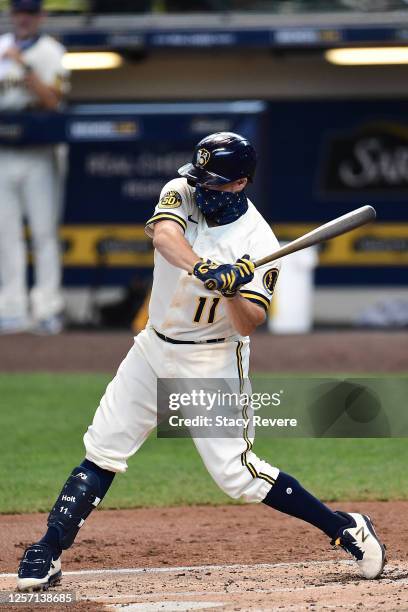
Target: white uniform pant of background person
column 292, row 309
column 29, row 189
column 127, row 412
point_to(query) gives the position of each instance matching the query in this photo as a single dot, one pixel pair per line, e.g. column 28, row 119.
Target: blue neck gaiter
column 222, row 207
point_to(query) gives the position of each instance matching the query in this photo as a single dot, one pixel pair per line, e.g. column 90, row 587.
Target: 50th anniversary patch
column 171, row 199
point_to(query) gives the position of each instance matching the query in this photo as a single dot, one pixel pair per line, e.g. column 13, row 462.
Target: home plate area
column 234, row 558
column 331, row 585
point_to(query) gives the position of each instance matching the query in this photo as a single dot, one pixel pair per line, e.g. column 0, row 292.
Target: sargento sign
column 373, row 159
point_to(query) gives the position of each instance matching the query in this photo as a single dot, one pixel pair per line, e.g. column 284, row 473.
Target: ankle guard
column 79, row 496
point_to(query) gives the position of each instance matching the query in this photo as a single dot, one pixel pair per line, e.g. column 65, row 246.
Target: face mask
column 221, row 206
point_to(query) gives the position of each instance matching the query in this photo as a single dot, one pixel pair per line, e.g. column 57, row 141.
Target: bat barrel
column 341, row 225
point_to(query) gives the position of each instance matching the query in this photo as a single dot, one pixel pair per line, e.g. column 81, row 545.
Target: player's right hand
column 215, row 276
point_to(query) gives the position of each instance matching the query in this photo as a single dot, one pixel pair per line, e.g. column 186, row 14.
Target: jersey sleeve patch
column 269, row 280
column 171, row 199
column 257, row 298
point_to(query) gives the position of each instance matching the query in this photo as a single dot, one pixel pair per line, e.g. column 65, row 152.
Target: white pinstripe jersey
column 180, row 306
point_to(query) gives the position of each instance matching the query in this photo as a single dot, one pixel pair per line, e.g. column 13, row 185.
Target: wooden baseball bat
column 341, row 225
column 329, row 230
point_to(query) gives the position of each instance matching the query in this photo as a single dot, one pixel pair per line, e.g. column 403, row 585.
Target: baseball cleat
column 360, row 540
column 38, row 570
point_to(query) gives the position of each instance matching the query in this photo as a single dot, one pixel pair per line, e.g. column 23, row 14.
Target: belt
column 172, row 341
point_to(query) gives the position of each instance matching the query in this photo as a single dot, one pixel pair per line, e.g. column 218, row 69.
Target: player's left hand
column 244, row 273
column 214, row 275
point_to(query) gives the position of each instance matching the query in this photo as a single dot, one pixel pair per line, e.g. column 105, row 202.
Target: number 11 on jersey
column 202, row 302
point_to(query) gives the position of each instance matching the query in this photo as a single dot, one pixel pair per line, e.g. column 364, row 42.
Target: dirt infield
column 234, row 558
column 227, row 558
column 339, row 351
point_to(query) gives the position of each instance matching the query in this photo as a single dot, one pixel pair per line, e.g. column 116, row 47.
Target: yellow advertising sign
column 108, row 245
column 380, row 244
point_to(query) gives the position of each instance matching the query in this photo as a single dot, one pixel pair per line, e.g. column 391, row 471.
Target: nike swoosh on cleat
column 191, row 219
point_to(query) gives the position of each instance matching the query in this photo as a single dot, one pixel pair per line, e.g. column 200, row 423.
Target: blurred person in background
column 32, row 77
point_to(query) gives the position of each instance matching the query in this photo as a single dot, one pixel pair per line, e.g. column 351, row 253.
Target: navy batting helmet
column 220, row 159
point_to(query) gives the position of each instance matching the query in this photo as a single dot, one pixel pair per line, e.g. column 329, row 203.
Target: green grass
column 44, row 416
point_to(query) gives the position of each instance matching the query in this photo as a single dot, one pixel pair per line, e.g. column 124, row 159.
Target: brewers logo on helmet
column 203, row 157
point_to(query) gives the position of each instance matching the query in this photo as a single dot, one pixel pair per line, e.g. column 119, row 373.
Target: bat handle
column 211, row 284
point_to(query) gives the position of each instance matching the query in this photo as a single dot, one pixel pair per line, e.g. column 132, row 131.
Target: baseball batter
column 204, row 228
column 32, row 77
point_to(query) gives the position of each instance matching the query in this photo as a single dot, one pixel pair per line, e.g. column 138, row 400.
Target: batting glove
column 244, row 269
column 215, row 276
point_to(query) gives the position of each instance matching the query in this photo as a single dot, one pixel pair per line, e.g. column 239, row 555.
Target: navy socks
column 52, row 536
column 288, row 496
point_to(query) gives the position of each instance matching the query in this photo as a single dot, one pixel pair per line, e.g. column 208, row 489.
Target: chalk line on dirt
column 204, row 568
column 170, row 606
column 190, row 568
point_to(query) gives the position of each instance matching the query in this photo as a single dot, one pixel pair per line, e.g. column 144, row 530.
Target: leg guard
column 79, row 496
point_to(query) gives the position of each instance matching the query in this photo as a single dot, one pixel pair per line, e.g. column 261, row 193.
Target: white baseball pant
column 127, row 412
column 29, row 189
